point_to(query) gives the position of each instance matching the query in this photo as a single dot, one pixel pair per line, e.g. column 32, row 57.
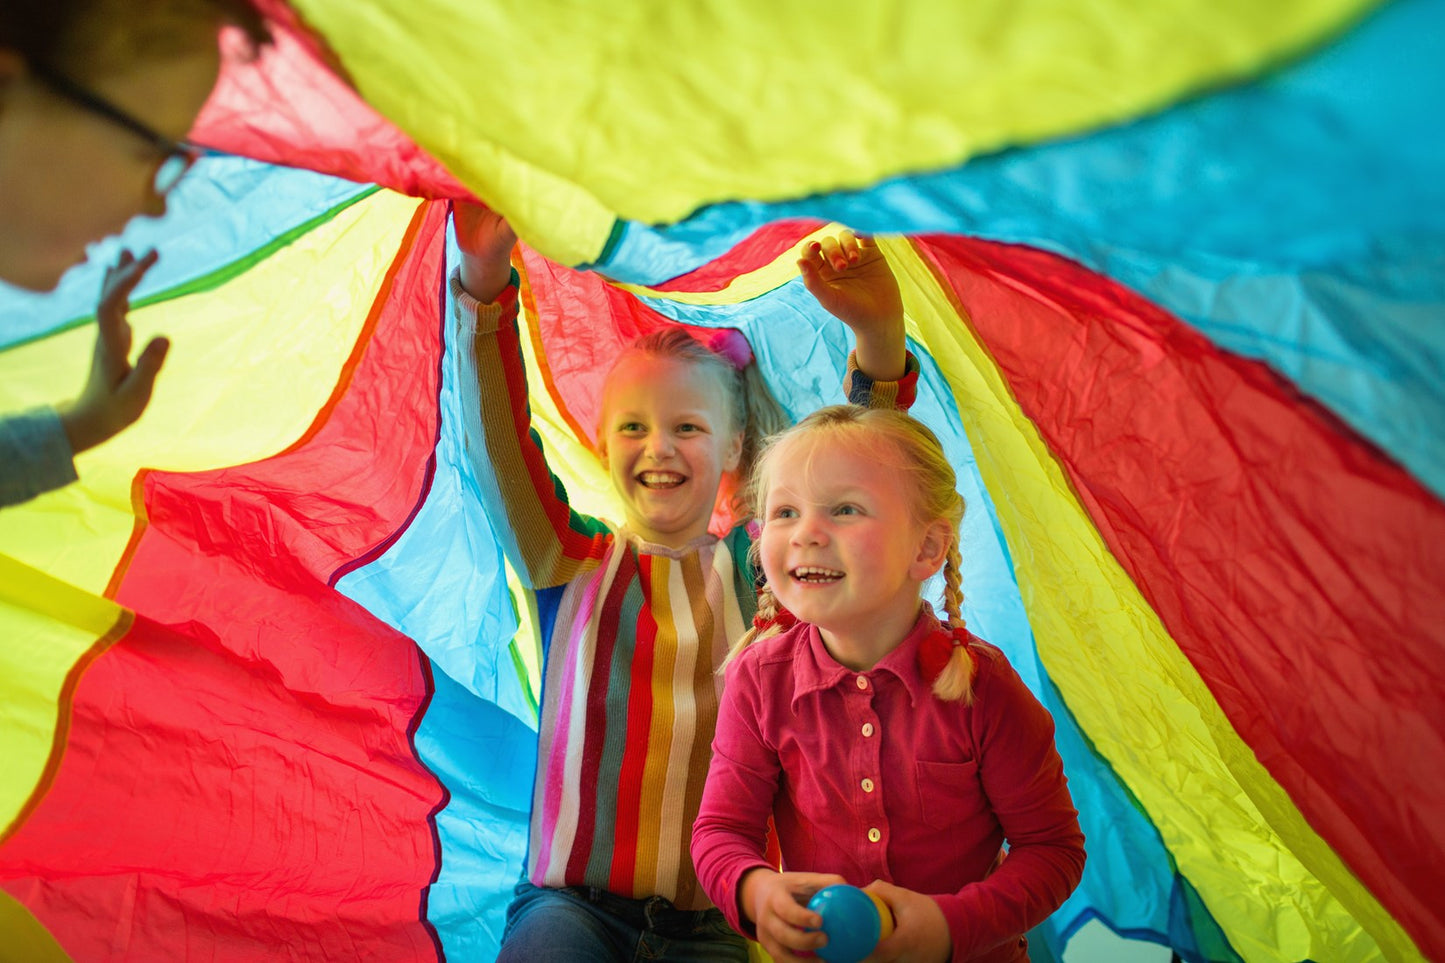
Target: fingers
column 785, row 925
column 876, row 892
column 835, row 254
column 148, row 365
column 130, row 385
column 122, row 277
column 795, row 914
column 114, row 337
column 481, row 230
column 133, row 393
column 468, row 207
column 783, row 941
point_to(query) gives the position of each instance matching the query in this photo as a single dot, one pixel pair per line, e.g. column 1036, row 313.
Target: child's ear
column 933, row 548
column 734, row 453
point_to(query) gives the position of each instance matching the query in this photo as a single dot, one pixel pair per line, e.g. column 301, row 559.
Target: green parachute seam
column 219, row 276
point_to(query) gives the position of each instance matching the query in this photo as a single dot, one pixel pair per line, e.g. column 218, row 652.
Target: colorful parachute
column 1175, row 272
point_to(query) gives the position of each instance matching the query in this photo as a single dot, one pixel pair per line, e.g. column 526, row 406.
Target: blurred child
column 96, row 97
column 38, row 447
column 644, row 612
column 892, row 751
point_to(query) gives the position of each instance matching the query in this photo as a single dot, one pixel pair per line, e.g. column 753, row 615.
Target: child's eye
column 688, row 428
column 630, row 427
column 847, row 510
column 784, row 512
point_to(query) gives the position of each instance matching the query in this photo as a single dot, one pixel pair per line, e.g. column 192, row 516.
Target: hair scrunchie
column 731, row 343
column 783, row 620
column 935, row 650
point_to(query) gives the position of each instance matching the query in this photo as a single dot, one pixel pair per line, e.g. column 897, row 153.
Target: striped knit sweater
column 630, row 688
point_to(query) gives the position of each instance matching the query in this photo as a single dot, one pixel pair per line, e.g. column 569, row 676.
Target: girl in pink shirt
column 644, row 611
column 891, row 750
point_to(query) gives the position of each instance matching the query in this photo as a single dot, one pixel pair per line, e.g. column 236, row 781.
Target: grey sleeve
column 35, row 455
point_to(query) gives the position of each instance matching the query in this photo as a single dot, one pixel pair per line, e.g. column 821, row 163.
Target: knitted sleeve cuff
column 476, row 317
column 863, row 390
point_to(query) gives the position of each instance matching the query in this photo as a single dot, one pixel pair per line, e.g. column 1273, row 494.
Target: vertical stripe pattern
column 629, row 706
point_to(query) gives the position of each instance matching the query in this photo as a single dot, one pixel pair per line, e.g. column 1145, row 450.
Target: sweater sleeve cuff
column 863, row 390
column 970, row 936
column 474, row 317
column 734, row 911
column 35, row 454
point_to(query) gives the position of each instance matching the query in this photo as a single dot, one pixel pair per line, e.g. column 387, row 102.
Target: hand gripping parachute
column 1173, row 271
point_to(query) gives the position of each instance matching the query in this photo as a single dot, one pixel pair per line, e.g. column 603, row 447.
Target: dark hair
column 88, row 38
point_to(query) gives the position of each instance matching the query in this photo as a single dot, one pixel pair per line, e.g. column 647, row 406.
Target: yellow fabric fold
column 1276, row 889
column 560, row 114
column 251, row 364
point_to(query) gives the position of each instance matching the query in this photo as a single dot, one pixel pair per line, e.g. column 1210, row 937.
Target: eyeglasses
column 176, row 156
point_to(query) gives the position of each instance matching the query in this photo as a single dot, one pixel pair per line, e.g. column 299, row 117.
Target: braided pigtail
column 929, row 482
column 770, row 619
column 955, row 682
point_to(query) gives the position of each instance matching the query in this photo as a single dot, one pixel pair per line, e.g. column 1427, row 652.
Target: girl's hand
column 776, row 903
column 486, row 241
column 851, row 278
column 115, row 392
column 920, row 931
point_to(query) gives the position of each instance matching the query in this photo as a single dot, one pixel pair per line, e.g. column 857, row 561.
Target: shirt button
column 867, row 785
column 867, row 729
column 874, row 835
column 862, row 682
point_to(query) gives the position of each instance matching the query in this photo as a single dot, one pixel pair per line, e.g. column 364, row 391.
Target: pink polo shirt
column 871, row 776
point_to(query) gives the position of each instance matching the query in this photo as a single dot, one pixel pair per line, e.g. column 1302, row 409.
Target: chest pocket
column 949, row 793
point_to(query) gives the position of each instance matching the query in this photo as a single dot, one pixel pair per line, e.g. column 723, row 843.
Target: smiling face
column 667, row 438
column 841, row 545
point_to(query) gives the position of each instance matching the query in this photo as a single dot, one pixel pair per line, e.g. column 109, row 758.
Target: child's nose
column 659, row 445
column 810, row 530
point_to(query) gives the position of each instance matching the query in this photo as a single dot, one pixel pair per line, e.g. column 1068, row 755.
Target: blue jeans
column 583, row 924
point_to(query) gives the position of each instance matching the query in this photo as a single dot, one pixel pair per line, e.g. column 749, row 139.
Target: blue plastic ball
column 850, row 921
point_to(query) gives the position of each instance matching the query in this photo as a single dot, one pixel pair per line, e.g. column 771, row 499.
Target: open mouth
column 814, row 575
column 660, row 479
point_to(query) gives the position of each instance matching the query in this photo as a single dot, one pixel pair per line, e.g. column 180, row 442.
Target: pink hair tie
column 728, row 342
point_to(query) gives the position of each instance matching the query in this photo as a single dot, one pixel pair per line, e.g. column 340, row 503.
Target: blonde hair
column 933, row 494
column 751, row 406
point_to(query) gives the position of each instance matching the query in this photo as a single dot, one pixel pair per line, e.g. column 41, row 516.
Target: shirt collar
column 815, row 670
column 645, row 547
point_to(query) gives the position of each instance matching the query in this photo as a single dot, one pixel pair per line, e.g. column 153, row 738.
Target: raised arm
column 547, row 542
column 116, row 391
column 850, row 277
column 37, row 448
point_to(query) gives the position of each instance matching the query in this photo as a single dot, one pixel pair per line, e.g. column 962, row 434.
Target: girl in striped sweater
column 644, row 612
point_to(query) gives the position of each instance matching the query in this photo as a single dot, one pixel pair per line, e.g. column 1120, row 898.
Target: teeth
column 810, row 573
column 660, row 478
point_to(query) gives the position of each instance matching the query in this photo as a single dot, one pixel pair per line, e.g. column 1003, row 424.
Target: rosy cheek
column 772, row 560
